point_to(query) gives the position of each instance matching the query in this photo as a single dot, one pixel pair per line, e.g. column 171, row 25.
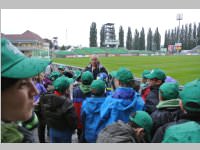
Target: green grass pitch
column 182, row 68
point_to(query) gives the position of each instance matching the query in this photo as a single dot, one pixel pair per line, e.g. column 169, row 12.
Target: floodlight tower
column 179, row 17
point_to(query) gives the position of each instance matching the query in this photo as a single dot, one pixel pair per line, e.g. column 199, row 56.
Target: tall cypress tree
column 157, row 40
column 194, row 35
column 102, row 37
column 198, row 35
column 93, row 35
column 186, row 36
column 166, row 40
column 190, row 37
column 142, row 40
column 149, row 40
column 129, row 39
column 182, row 39
column 136, row 43
column 121, row 37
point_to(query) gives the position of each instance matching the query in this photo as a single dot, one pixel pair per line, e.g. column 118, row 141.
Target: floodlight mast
column 179, row 17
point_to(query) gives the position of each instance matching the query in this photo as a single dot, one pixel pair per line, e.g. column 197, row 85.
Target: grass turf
column 182, row 68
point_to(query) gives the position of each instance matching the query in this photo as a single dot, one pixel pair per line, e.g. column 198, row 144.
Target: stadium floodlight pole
column 179, row 17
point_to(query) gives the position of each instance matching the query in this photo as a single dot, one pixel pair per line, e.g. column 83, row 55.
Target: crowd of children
column 101, row 107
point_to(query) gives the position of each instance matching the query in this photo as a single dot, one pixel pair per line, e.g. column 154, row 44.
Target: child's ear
column 181, row 105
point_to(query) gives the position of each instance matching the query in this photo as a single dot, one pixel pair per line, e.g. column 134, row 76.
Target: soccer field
column 182, row 68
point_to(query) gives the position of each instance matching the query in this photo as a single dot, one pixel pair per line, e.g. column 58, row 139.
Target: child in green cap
column 144, row 86
column 168, row 108
column 90, row 111
column 136, row 130
column 187, row 128
column 17, row 92
column 80, row 93
column 59, row 112
column 156, row 79
column 122, row 101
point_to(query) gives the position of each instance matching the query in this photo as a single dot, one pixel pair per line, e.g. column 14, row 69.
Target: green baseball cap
column 124, row 75
column 113, row 74
column 156, row 73
column 169, row 90
column 61, row 67
column 87, row 77
column 77, row 74
column 14, row 64
column 54, row 75
column 61, row 83
column 98, row 86
column 144, row 73
column 190, row 96
column 143, row 119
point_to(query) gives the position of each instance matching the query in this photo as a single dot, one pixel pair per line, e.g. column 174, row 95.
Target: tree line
column 189, row 36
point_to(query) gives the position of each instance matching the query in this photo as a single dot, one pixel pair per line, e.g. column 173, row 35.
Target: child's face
column 17, row 101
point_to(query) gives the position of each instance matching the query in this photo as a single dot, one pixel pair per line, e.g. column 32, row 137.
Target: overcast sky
column 72, row 26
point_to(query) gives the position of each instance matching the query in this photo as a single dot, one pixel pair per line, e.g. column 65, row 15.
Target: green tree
column 198, row 35
column 121, row 37
column 142, row 40
column 149, row 40
column 136, row 41
column 102, row 37
column 156, row 40
column 129, row 39
column 194, row 43
column 166, row 40
column 93, row 35
column 190, row 37
column 62, row 47
column 186, row 37
column 182, row 37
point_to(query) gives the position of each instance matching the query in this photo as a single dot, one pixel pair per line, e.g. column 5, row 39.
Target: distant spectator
column 95, row 67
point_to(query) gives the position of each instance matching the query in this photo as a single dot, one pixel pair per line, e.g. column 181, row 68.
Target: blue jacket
column 119, row 105
column 90, row 114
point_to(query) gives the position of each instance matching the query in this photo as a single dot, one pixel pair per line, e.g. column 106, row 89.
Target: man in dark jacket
column 156, row 79
column 168, row 109
column 187, row 129
column 95, row 67
column 137, row 130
